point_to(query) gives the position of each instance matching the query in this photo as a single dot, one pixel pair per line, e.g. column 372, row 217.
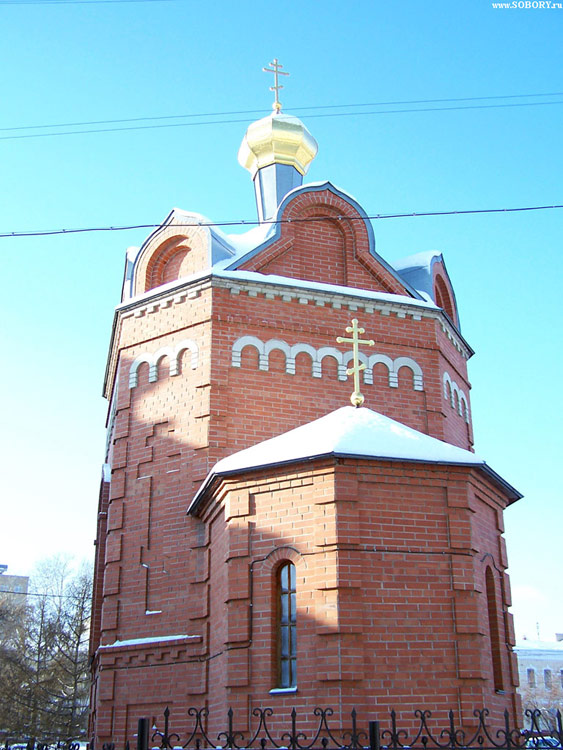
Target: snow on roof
column 416, row 270
column 150, row 639
column 132, row 252
column 418, row 260
column 242, row 243
column 348, row 431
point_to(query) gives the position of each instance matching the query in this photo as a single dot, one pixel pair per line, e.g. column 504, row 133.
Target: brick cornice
column 354, row 299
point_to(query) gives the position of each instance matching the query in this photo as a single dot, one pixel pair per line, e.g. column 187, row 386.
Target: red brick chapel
column 261, row 541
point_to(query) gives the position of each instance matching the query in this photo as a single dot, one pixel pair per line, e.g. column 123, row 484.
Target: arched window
column 494, row 629
column 531, row 673
column 167, row 263
column 287, row 626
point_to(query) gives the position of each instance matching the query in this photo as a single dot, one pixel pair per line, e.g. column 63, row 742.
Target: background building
column 13, row 601
column 13, row 589
column 540, row 670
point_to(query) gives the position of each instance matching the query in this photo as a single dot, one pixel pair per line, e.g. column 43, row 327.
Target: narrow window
column 561, row 677
column 547, row 678
column 494, row 629
column 531, row 677
column 287, row 631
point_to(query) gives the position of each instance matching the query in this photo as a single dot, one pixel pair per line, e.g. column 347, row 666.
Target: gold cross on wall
column 276, row 70
column 356, row 398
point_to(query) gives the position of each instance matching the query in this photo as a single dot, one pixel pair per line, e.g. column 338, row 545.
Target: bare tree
column 12, row 638
column 71, row 658
column 44, row 661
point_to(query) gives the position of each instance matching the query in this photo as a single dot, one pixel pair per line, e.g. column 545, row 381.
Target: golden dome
column 277, row 139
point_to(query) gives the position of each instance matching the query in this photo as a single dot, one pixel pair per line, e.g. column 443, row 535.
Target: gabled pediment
column 322, row 234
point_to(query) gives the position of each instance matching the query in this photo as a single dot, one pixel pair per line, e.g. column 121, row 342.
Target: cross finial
column 356, row 398
column 276, row 69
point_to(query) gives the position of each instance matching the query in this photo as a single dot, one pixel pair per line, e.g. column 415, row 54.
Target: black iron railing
column 378, row 735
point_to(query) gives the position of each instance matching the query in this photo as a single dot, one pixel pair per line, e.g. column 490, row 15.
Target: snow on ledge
column 319, row 286
column 217, row 271
column 150, row 639
column 106, row 472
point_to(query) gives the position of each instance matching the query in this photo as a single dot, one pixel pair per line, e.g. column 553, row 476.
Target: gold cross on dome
column 276, row 69
column 356, row 398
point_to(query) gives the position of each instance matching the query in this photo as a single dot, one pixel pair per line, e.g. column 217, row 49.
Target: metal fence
column 377, row 735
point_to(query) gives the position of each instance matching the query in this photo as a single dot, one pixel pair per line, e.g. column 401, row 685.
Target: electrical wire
column 242, row 222
column 292, row 109
column 316, row 115
column 36, row 593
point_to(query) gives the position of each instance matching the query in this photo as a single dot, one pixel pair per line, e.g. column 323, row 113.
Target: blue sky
column 90, row 61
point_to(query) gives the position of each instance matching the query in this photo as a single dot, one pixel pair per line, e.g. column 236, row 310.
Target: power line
column 324, row 114
column 158, row 117
column 254, row 222
column 37, row 593
column 292, row 109
column 433, row 101
column 435, row 109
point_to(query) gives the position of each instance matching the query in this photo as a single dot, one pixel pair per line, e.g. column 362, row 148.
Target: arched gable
column 170, row 256
column 427, row 273
column 324, row 236
column 171, row 253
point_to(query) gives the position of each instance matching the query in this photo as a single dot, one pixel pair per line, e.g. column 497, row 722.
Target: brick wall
column 390, row 562
column 391, row 558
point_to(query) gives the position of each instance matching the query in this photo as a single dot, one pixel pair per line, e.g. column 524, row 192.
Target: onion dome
column 277, row 139
column 277, row 151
